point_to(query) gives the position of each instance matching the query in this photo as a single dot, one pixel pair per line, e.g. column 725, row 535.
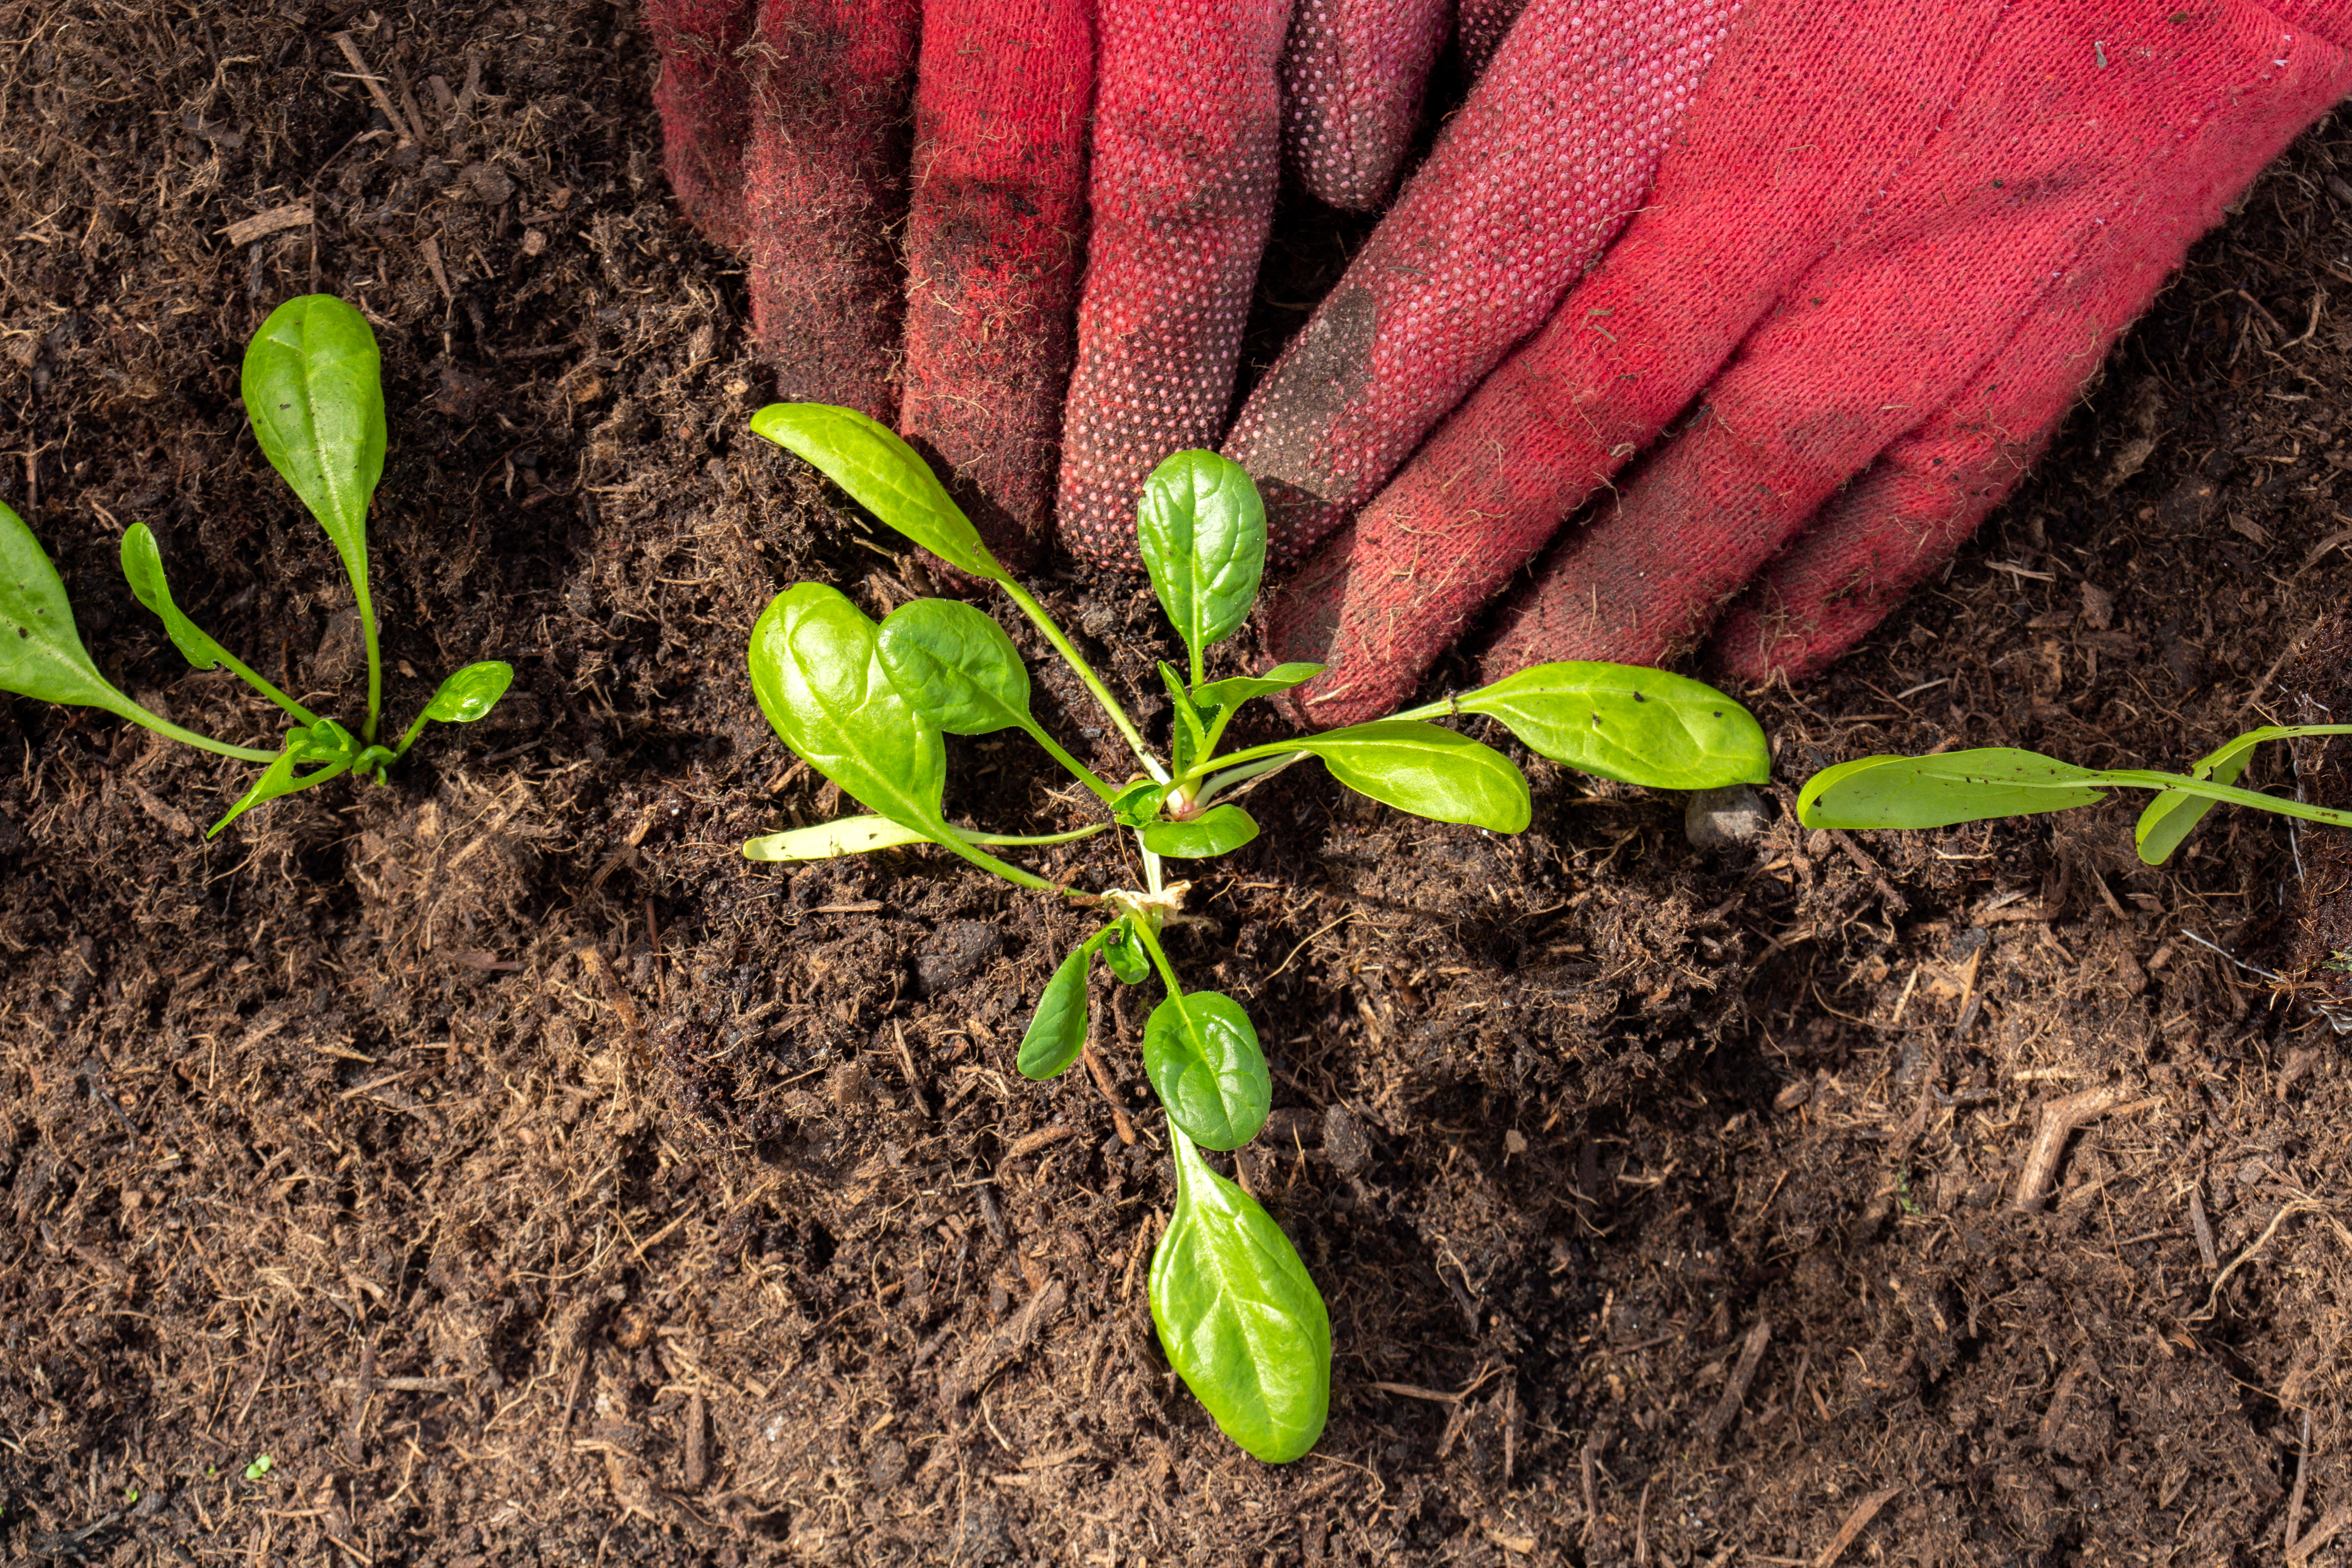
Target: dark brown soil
column 534, row 1181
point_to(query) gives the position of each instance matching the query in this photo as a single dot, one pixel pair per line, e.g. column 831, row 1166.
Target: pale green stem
column 1111, row 710
column 2136, row 778
column 237, row 666
column 162, row 726
column 1231, row 776
column 1085, row 774
column 969, row 836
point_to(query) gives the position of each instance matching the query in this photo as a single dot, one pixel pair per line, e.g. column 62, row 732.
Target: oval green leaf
column 1627, row 722
column 1940, row 790
column 1057, row 1031
column 470, row 692
column 142, row 568
column 1124, row 955
column 1202, row 1056
column 1239, row 1316
column 882, row 474
column 1216, row 831
column 955, row 666
column 819, row 678
column 1426, row 769
column 313, row 389
column 41, row 653
column 1239, row 688
column 1202, row 531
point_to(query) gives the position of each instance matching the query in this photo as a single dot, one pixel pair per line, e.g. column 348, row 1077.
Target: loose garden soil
column 532, row 1180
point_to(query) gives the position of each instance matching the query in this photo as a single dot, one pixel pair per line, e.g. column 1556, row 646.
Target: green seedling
column 315, row 398
column 258, row 1468
column 867, row 705
column 1949, row 787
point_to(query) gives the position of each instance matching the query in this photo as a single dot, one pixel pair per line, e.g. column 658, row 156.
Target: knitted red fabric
column 704, row 104
column 824, row 183
column 1904, row 227
column 1185, row 155
column 1552, row 152
column 994, row 227
column 1351, row 79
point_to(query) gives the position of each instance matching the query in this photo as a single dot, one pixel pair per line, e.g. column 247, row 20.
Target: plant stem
column 376, row 666
column 1231, row 776
column 1111, row 710
column 237, row 666
column 2137, row 778
column 1151, row 941
column 1072, row 836
column 162, row 726
column 988, row 862
column 1085, row 774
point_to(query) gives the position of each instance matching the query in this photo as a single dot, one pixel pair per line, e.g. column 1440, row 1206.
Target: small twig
column 2059, row 1121
column 593, row 963
column 2055, row 1418
column 1863, row 1512
column 374, row 84
column 2294, row 1502
column 1111, row 1095
column 2204, row 1229
column 1735, row 1390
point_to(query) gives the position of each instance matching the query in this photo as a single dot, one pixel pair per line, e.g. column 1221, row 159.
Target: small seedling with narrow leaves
column 867, row 705
column 1951, row 787
column 315, row 398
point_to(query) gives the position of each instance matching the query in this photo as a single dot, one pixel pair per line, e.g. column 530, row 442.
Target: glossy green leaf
column 1202, row 531
column 469, row 693
column 849, row 835
column 314, row 392
column 955, row 666
column 1057, row 1031
column 1239, row 1317
column 41, row 653
column 818, row 675
column 1139, row 803
column 1426, row 769
column 142, row 568
column 325, row 743
column 1216, row 831
column 1234, row 690
column 1623, row 721
column 1202, row 1053
column 1124, row 954
column 1938, row 791
column 882, row 474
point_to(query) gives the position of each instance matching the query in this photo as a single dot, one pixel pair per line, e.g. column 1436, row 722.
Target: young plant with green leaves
column 315, row 398
column 1948, row 787
column 867, row 705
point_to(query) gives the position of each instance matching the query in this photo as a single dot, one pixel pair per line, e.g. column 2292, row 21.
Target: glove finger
column 1897, row 524
column 994, row 225
column 1478, row 29
column 1539, row 170
column 824, row 184
column 1352, row 74
column 1186, row 146
column 704, row 100
column 2076, row 122
column 1786, row 141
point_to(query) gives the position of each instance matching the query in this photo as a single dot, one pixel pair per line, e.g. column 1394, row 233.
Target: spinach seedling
column 867, row 705
column 1950, row 787
column 315, row 398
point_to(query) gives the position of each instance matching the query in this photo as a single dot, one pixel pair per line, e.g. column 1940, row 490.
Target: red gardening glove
column 784, row 133
column 1890, row 244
